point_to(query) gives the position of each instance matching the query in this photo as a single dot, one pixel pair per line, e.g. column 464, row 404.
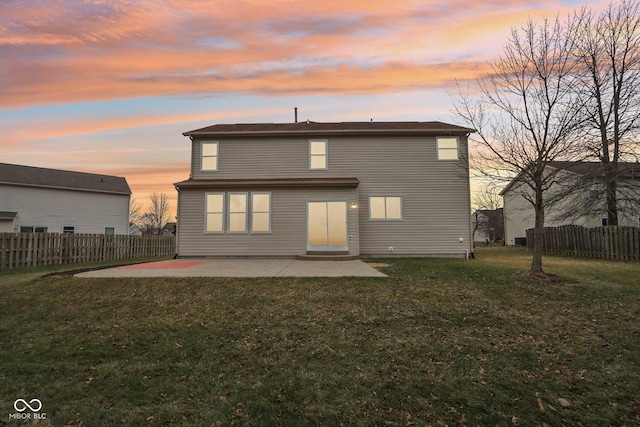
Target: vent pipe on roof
column 295, row 114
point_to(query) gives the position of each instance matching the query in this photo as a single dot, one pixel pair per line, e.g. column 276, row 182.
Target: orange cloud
column 122, row 49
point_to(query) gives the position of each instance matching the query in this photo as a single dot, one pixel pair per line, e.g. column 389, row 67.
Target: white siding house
column 56, row 201
column 365, row 188
column 572, row 195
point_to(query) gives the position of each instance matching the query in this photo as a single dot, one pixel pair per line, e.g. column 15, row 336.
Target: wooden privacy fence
column 613, row 242
column 19, row 250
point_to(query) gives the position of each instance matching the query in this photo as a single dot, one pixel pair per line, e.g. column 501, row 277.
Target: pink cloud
column 65, row 52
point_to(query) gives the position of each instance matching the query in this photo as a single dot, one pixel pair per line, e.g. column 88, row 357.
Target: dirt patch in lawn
column 546, row 278
column 378, row 264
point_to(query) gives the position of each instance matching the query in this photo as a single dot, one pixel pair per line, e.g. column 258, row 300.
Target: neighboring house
column 36, row 200
column 168, row 229
column 357, row 188
column 579, row 199
column 134, row 230
column 487, row 225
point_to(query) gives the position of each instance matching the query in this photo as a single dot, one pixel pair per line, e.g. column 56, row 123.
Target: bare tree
column 135, row 212
column 608, row 50
column 526, row 113
column 488, row 213
column 159, row 209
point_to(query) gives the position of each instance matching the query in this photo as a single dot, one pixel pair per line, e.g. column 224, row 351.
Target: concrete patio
column 233, row 267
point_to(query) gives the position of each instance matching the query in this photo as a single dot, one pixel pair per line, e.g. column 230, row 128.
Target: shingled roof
column 308, row 127
column 54, row 178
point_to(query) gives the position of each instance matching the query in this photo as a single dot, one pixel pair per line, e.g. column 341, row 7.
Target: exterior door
column 327, row 226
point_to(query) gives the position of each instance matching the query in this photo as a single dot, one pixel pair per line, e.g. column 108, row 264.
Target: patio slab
column 231, row 267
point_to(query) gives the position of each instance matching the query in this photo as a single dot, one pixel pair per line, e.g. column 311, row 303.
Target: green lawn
column 438, row 342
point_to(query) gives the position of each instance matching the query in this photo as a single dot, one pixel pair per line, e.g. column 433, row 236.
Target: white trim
column 202, row 156
column 325, row 155
column 269, row 212
column 386, row 219
column 246, row 212
column 206, row 212
column 448, row 149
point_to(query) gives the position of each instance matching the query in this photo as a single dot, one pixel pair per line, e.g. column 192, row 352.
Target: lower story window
column 214, row 213
column 110, row 231
column 385, row 208
column 68, row 229
column 242, row 212
column 260, row 212
column 237, row 212
column 33, row 229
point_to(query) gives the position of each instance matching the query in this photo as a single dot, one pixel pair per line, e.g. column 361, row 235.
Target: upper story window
column 318, row 154
column 447, row 147
column 385, row 208
column 209, row 156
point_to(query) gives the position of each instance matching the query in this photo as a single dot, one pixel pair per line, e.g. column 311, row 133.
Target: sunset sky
column 108, row 86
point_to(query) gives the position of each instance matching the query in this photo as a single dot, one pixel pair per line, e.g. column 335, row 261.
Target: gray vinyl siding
column 288, row 235
column 435, row 194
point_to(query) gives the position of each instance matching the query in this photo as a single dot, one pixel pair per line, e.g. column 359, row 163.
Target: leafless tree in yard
column 159, row 209
column 135, row 212
column 608, row 52
column 526, row 113
column 488, row 217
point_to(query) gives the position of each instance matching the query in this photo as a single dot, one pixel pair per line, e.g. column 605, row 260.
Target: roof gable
column 55, row 178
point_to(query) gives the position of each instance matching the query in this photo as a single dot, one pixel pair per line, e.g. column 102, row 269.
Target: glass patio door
column 327, row 226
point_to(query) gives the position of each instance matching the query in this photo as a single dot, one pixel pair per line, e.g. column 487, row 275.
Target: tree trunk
column 538, row 232
column 611, row 175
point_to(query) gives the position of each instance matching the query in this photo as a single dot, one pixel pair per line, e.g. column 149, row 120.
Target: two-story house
column 576, row 196
column 357, row 188
column 34, row 200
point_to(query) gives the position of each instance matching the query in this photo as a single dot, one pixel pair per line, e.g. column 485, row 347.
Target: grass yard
column 438, row 342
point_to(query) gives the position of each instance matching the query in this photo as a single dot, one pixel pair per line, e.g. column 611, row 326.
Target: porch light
column 354, row 205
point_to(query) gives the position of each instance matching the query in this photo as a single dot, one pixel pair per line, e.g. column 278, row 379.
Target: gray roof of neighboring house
column 309, row 128
column 54, row 178
column 626, row 170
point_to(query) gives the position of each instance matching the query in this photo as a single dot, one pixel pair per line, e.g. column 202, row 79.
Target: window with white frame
column 69, row 229
column 214, row 217
column 237, row 212
column 386, row 208
column 242, row 211
column 447, row 147
column 260, row 212
column 209, row 156
column 318, row 154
